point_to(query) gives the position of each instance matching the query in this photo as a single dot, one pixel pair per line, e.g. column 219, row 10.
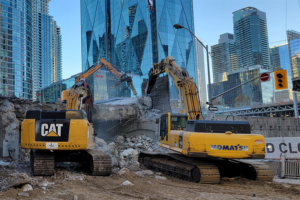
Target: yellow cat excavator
column 204, row 150
column 67, row 136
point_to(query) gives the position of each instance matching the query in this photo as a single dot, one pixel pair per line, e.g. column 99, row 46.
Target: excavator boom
column 185, row 84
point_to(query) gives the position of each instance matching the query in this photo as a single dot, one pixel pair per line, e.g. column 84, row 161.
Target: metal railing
column 290, row 168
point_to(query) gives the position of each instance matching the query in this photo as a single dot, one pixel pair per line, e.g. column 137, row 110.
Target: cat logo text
column 52, row 130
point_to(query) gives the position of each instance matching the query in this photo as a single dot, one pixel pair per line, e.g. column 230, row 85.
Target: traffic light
column 296, row 84
column 281, row 80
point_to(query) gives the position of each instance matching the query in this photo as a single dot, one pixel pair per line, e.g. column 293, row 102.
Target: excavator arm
column 185, row 84
column 80, row 97
column 111, row 69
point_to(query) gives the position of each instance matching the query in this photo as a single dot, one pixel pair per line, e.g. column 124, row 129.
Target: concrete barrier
column 269, row 126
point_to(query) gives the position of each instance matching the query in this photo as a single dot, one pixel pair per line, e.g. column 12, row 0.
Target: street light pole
column 178, row 26
column 210, row 104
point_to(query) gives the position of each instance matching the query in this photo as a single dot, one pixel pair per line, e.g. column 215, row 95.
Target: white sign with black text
column 277, row 146
column 210, row 115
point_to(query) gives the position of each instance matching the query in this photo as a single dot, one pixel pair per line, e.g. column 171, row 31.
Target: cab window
column 178, row 123
column 163, row 126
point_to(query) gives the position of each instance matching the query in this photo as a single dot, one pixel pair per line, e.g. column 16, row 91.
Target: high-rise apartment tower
column 47, row 47
column 201, row 78
column 251, row 37
column 16, row 48
column 224, row 57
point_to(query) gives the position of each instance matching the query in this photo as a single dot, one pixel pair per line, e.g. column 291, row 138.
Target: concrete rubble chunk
column 4, row 163
column 160, row 94
column 127, row 183
column 123, row 108
column 139, row 173
column 115, row 162
column 100, row 141
column 139, row 145
column 130, row 153
column 23, row 194
column 17, row 180
column 120, row 139
column 26, row 188
column 148, row 172
column 145, row 101
column 112, row 144
column 134, row 166
column 122, row 164
column 160, row 178
column 123, row 171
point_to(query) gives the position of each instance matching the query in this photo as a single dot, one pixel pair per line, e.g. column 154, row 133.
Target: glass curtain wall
column 16, row 48
column 132, row 38
column 251, row 94
column 251, row 36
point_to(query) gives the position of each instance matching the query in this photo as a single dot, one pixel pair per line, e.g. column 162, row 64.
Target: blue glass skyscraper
column 47, row 67
column 224, row 57
column 294, row 50
column 16, row 27
column 251, row 37
column 132, row 38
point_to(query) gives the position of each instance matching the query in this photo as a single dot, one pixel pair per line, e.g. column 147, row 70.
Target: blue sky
column 211, row 18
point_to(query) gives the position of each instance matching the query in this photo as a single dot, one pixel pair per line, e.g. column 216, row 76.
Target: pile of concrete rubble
column 125, row 151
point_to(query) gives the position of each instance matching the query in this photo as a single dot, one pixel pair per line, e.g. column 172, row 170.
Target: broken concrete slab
column 26, row 188
column 139, row 173
column 127, row 183
column 148, row 172
column 134, row 166
column 160, row 178
column 4, row 163
column 123, row 171
column 124, row 109
column 100, row 141
column 23, row 194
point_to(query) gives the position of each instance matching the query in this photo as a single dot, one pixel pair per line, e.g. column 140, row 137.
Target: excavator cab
column 174, row 121
column 64, row 95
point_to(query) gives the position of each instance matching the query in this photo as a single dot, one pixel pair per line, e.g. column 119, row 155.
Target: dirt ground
column 77, row 185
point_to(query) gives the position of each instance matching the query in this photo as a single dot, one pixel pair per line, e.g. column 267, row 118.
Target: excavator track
column 42, row 162
column 182, row 167
column 100, row 163
column 204, row 171
column 262, row 171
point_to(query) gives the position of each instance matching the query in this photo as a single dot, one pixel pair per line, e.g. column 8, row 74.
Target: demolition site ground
column 128, row 129
column 73, row 183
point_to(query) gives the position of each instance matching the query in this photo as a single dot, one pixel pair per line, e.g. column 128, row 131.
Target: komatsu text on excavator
column 67, row 136
column 204, row 150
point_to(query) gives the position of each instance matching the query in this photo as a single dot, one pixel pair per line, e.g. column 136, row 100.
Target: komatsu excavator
column 67, row 136
column 204, row 150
